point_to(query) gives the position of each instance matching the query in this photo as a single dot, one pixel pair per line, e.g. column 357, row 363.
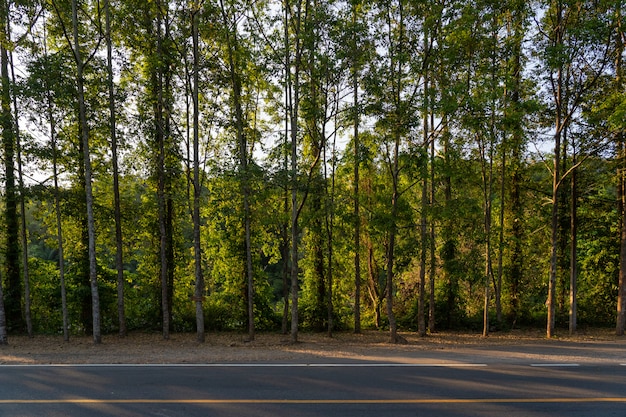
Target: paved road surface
column 298, row 390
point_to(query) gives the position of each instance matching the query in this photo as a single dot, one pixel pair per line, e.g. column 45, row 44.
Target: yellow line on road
column 320, row 401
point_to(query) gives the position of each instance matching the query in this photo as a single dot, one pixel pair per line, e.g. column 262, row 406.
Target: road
column 350, row 389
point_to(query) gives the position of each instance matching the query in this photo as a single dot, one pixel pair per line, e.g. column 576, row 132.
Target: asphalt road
column 294, row 390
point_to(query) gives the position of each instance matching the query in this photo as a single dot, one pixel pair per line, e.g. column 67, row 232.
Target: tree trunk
column 499, row 318
column 57, row 209
column 573, row 286
column 393, row 327
column 119, row 260
column 373, row 286
column 421, row 319
column 556, row 177
column 293, row 91
column 621, row 174
column 159, row 121
column 357, row 161
column 621, row 296
column 235, row 79
column 24, row 230
column 13, row 288
column 433, row 259
column 82, row 115
column 330, row 225
column 487, row 184
column 199, row 277
column 3, row 319
column 517, row 208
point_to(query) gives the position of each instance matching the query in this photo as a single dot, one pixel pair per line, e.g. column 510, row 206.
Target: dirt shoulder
column 447, row 347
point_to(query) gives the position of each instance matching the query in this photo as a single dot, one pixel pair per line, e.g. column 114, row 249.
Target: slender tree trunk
column 573, row 286
column 24, row 230
column 285, row 229
column 550, row 303
column 243, row 163
column 13, row 289
column 93, row 278
column 159, row 121
column 393, row 327
column 621, row 287
column 199, row 277
column 373, row 286
column 621, row 173
column 517, row 208
column 433, row 259
column 556, row 176
column 357, row 161
column 330, row 225
column 3, row 318
column 57, row 203
column 119, row 260
column 499, row 317
column 488, row 190
column 7, row 130
column 421, row 309
column 563, row 250
column 57, row 209
column 293, row 90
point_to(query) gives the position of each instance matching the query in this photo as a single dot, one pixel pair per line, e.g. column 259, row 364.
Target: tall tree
column 13, row 287
column 395, row 107
column 356, row 6
column 575, row 56
column 514, row 115
column 230, row 17
column 23, row 230
column 119, row 259
column 294, row 15
column 3, row 318
column 199, row 278
column 620, row 41
column 84, row 130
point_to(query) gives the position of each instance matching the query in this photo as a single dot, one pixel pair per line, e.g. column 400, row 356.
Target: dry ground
column 275, row 348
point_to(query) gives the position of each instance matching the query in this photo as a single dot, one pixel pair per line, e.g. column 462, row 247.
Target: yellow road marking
column 321, row 401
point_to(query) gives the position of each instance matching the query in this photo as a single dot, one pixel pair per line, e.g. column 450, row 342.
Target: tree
column 13, row 288
column 199, row 278
column 356, row 6
column 573, row 62
column 619, row 139
column 3, row 319
column 84, row 130
column 23, row 234
column 294, row 18
column 234, row 65
column 395, row 106
column 119, row 241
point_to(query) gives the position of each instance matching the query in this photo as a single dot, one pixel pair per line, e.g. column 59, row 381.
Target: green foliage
column 487, row 106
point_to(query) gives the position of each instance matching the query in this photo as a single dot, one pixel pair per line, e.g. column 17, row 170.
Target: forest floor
column 589, row 345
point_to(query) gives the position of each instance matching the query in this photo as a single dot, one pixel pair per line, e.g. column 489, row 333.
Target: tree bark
column 199, row 277
column 3, row 319
column 621, row 173
column 82, row 115
column 556, row 177
column 13, row 288
column 24, row 230
column 355, row 191
column 573, row 285
column 293, row 91
column 119, row 260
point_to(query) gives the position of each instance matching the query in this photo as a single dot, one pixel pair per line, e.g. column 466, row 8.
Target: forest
column 309, row 165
